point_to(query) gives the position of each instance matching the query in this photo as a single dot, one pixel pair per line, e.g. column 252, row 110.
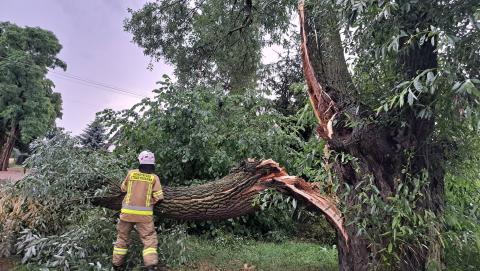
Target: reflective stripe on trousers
column 120, row 251
column 136, row 210
column 150, row 250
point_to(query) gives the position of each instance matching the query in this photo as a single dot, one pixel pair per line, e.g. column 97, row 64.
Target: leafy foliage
column 26, row 96
column 381, row 33
column 199, row 133
column 62, row 177
column 400, row 221
column 210, row 41
column 462, row 216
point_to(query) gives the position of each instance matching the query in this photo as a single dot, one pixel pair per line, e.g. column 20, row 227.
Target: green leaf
column 456, row 85
column 467, row 87
column 411, row 97
column 401, row 101
column 476, row 92
column 402, row 84
column 430, row 78
column 417, row 84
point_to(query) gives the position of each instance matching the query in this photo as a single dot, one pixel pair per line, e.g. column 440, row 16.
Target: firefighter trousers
column 146, row 231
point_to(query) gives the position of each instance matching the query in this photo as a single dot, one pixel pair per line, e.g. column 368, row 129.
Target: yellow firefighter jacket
column 143, row 191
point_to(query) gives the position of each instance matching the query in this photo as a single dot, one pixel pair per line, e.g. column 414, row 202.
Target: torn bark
column 330, row 85
column 234, row 195
column 323, row 105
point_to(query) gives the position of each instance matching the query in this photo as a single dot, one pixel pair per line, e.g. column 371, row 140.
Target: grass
column 228, row 254
column 244, row 254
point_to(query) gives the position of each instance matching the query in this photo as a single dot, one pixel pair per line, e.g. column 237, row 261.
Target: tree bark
column 7, row 148
column 380, row 149
column 234, row 195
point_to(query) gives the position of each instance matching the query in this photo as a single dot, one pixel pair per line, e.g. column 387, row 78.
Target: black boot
column 119, row 268
column 152, row 268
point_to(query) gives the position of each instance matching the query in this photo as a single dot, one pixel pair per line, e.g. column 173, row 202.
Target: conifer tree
column 94, row 136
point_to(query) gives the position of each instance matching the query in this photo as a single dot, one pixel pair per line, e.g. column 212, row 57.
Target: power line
column 96, row 86
column 89, row 82
column 105, row 86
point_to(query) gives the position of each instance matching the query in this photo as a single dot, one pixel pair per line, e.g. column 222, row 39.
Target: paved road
column 12, row 174
column 6, row 264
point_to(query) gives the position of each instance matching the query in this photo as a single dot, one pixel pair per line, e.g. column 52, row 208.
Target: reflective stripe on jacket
column 143, row 191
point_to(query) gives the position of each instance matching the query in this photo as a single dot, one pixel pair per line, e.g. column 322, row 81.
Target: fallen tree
column 234, row 195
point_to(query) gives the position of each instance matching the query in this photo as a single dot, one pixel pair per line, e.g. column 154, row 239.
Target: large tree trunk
column 379, row 148
column 235, row 194
column 7, row 148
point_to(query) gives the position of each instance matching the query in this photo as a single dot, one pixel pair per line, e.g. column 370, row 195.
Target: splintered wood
column 322, row 103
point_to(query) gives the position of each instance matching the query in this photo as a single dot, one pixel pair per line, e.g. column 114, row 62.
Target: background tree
column 199, row 133
column 284, row 78
column 210, row 41
column 28, row 106
column 94, row 136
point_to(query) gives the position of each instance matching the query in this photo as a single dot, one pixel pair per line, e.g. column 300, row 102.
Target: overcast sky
column 95, row 48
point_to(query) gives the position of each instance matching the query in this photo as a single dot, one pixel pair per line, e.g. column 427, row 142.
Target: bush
column 462, row 213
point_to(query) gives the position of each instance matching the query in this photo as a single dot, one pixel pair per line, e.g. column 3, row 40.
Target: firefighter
column 143, row 191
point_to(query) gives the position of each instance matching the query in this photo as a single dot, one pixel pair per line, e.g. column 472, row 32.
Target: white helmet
column 146, row 158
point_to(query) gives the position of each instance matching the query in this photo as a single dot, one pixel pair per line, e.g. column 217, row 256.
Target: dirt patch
column 12, row 174
column 6, row 264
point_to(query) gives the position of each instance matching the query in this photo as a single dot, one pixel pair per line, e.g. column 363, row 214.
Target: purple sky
column 95, row 48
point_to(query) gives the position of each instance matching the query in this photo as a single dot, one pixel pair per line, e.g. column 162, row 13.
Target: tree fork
column 234, row 195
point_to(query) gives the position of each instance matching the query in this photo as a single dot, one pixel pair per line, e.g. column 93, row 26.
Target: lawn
column 240, row 255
